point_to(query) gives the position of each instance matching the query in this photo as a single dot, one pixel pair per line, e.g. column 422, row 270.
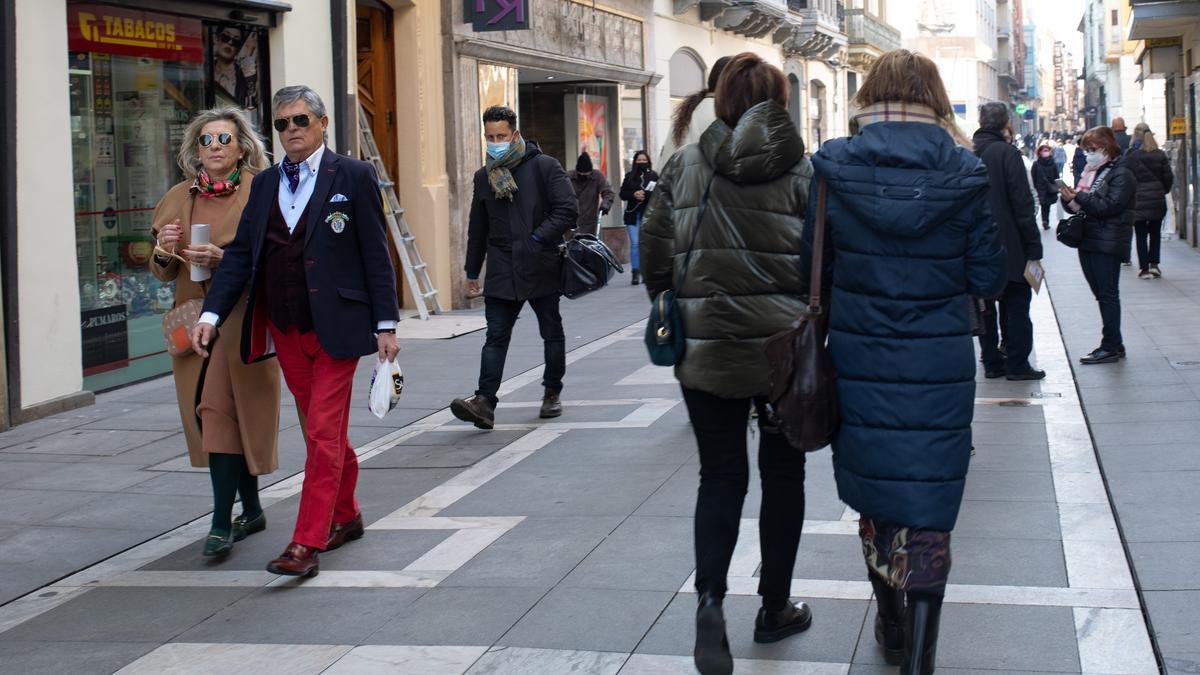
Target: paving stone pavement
column 559, row 546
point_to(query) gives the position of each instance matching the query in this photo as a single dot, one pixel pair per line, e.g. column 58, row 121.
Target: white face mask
column 1095, row 158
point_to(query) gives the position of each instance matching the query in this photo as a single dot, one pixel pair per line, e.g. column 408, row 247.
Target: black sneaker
column 775, row 626
column 1101, row 356
column 1030, row 374
column 478, row 410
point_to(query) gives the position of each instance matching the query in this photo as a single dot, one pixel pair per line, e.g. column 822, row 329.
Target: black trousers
column 1148, row 236
column 501, row 315
column 1017, row 328
column 1046, row 212
column 720, row 425
column 1103, row 274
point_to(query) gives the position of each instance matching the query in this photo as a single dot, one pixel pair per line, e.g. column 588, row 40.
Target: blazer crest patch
column 337, row 221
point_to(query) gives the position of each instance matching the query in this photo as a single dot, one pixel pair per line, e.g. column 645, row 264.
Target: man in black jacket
column 1011, row 201
column 522, row 205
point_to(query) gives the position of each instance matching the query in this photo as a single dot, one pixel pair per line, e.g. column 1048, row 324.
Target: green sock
column 248, row 491
column 224, row 471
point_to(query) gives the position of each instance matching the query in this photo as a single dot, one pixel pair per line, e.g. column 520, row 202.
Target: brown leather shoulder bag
column 803, row 394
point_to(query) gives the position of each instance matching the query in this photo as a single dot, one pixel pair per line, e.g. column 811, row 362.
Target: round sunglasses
column 225, row 138
column 301, row 121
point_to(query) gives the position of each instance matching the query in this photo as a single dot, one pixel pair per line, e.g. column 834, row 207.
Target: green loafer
column 243, row 528
column 217, row 544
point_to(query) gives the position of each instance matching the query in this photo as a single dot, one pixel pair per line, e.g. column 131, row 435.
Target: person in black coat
column 636, row 189
column 1106, row 195
column 1043, row 173
column 522, row 206
column 1078, row 161
column 1012, row 208
column 1154, row 180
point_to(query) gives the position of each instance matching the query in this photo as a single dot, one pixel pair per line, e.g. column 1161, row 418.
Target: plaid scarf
column 499, row 170
column 898, row 111
column 207, row 188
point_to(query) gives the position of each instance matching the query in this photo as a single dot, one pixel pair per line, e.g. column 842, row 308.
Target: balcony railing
column 870, row 35
column 813, row 28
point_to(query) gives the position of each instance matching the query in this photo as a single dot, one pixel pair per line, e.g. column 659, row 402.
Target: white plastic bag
column 387, row 383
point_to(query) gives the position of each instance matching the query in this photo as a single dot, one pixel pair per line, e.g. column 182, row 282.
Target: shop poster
column 593, row 116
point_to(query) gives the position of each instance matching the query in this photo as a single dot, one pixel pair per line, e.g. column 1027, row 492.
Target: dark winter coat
column 632, row 183
column 594, row 196
column 910, row 238
column 501, row 231
column 1010, row 201
column 1078, row 164
column 1043, row 173
column 742, row 283
column 1154, row 180
column 1109, row 205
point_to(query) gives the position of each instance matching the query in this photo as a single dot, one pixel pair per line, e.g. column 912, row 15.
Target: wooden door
column 377, row 79
column 377, row 94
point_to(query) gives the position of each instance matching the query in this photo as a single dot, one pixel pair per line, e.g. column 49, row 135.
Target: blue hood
column 881, row 175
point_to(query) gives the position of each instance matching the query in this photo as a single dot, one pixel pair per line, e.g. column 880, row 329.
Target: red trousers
column 322, row 387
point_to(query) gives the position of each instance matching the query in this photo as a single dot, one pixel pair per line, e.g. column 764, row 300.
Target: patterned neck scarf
column 900, row 111
column 292, row 171
column 207, row 188
column 499, row 170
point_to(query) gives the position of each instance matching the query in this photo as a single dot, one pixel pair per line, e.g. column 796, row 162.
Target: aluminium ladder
column 416, row 272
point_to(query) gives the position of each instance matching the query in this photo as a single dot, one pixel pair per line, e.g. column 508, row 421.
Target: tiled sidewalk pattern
column 566, row 547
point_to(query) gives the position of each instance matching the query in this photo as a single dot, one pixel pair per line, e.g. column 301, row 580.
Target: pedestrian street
column 566, row 546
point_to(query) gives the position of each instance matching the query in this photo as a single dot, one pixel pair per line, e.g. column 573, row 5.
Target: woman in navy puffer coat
column 910, row 238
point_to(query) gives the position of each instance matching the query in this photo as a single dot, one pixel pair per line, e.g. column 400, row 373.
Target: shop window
column 136, row 79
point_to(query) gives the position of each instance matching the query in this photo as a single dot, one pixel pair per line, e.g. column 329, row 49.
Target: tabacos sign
column 110, row 30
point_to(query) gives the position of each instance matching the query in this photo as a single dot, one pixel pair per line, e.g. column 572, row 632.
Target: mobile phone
column 1062, row 183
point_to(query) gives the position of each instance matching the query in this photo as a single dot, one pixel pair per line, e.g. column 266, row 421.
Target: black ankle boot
column 889, row 620
column 921, row 620
column 712, row 654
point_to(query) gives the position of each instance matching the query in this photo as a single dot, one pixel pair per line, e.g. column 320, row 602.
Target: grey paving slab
column 1138, row 394
column 155, row 513
column 1007, row 432
column 189, row 483
column 601, row 490
column 1120, row 458
column 602, row 620
column 830, row 556
column 1143, row 412
column 1024, row 562
column 1012, row 413
column 1162, row 431
column 537, row 553
column 985, row 637
column 1159, row 521
column 1173, row 614
column 77, row 658
column 1005, row 457
column 1153, row 486
column 464, row 436
column 17, row 580
column 385, row 550
column 34, row 507
column 89, row 442
column 860, row 669
column 1167, row 565
column 831, row 638
column 126, row 615
column 42, row 545
column 144, row 417
column 458, row 616
column 88, row 477
column 17, row 473
column 1026, row 486
column 430, row 456
column 644, row 553
column 298, row 615
column 1009, row 520
column 153, row 453
column 588, row 447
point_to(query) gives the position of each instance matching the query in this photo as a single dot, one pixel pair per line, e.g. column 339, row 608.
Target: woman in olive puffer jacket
column 736, row 199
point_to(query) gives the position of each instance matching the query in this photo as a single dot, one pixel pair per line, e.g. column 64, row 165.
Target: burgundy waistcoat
column 286, row 287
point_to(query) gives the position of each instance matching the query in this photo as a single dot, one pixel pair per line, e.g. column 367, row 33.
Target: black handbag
column 1070, row 231
column 664, row 337
column 587, row 265
column 803, row 394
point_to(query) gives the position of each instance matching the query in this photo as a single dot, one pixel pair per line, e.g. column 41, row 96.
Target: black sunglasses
column 225, row 138
column 301, row 121
column 228, row 39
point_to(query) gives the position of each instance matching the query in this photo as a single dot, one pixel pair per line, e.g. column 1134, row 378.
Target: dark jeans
column 1016, row 326
column 1103, row 274
column 1046, row 212
column 720, row 425
column 1148, row 235
column 501, row 316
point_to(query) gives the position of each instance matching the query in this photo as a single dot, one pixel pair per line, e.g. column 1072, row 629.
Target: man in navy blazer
column 312, row 245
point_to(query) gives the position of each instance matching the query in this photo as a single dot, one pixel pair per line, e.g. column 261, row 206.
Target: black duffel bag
column 1071, row 230
column 587, row 265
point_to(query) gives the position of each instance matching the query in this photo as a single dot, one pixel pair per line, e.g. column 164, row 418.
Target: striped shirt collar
column 896, row 111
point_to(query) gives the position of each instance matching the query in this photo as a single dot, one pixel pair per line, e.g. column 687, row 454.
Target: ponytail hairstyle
column 682, row 119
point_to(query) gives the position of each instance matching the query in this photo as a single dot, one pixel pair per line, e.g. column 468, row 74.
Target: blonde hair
column 1148, row 141
column 908, row 77
column 254, row 153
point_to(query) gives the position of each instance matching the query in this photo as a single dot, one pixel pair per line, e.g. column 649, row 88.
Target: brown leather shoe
column 296, row 561
column 340, row 533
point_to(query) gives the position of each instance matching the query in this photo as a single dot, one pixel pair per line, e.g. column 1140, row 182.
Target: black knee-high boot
column 921, row 620
column 889, row 619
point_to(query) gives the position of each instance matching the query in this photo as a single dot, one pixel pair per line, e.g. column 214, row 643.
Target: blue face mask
column 498, row 150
